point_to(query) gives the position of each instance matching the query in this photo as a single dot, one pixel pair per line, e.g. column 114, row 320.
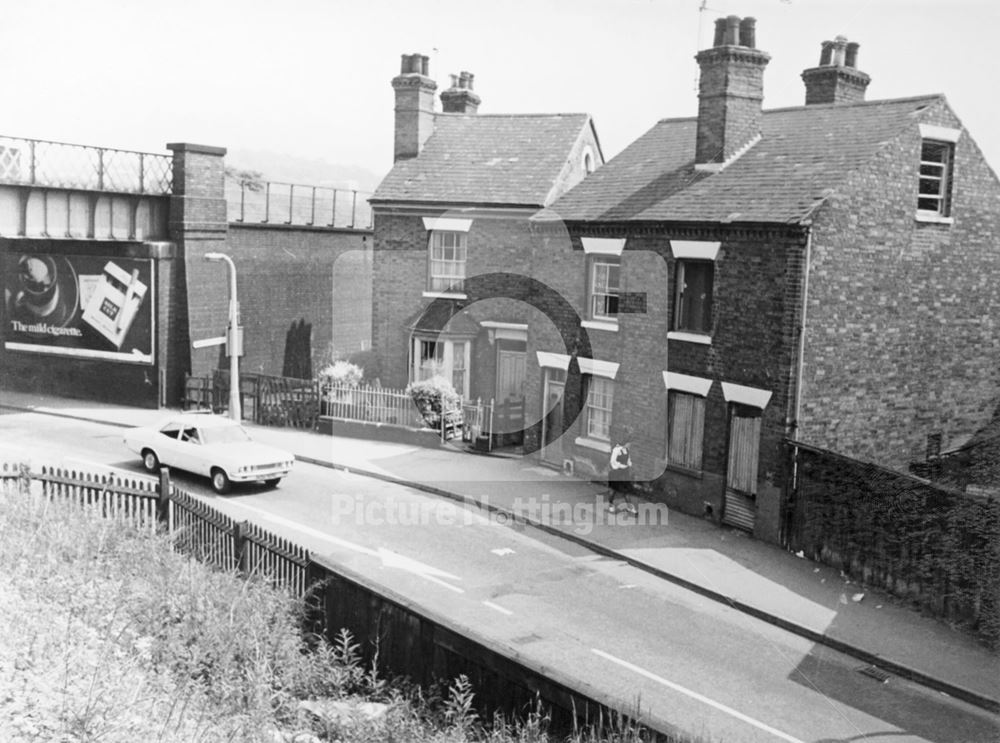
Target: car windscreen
column 224, row 435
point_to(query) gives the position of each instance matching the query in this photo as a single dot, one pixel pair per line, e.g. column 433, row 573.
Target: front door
column 552, row 416
column 510, row 374
column 741, row 474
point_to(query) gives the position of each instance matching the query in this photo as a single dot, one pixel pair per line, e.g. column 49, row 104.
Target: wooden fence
column 195, row 528
column 266, row 400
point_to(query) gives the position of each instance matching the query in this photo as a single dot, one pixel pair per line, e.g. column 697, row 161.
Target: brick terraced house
column 453, row 242
column 824, row 273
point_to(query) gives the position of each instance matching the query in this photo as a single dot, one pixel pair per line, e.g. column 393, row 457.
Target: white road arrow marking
column 387, row 557
column 503, row 551
column 695, row 695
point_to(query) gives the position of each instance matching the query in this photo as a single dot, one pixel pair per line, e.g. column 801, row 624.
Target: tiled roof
column 802, row 154
column 486, row 159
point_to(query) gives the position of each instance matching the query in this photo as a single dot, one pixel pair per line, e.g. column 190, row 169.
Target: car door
column 165, row 444
column 191, row 453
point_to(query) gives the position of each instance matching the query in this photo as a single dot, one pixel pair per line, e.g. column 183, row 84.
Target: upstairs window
column 446, row 264
column 693, row 296
column 604, row 287
column 936, row 162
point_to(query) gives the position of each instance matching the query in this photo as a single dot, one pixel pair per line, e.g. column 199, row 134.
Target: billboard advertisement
column 79, row 305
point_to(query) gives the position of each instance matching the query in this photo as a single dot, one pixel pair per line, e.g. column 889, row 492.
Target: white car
column 210, row 445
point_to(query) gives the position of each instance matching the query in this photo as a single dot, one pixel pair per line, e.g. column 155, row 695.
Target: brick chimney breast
column 836, row 79
column 414, row 106
column 730, row 91
column 459, row 98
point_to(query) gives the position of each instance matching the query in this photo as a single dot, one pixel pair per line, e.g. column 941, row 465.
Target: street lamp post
column 232, row 336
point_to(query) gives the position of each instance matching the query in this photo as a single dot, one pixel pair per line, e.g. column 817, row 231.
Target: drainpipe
column 793, row 427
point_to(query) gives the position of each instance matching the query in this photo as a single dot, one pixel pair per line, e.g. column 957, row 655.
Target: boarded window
column 686, row 429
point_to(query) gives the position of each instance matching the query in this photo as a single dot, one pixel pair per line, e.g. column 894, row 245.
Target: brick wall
column 756, row 291
column 495, row 244
column 301, row 290
column 902, row 336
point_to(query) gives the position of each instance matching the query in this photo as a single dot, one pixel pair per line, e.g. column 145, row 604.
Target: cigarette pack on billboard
column 114, row 303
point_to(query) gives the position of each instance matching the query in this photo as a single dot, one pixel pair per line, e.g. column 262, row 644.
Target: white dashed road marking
column 695, row 695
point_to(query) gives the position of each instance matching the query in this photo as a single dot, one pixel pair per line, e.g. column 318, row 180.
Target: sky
column 311, row 78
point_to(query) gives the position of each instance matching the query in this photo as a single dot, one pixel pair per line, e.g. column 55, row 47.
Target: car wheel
column 150, row 461
column 220, row 481
column 273, row 482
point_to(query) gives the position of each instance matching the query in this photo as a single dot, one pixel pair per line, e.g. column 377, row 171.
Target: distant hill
column 299, row 170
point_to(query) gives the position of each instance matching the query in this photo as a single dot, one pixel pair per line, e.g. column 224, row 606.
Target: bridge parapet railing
column 39, row 162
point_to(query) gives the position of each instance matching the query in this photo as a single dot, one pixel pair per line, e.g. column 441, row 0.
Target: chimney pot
column 851, row 56
column 748, row 29
column 733, row 30
column 720, row 32
column 840, row 46
column 424, row 64
column 836, row 79
column 826, row 54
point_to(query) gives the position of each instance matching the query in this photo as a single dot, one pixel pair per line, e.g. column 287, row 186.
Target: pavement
column 801, row 596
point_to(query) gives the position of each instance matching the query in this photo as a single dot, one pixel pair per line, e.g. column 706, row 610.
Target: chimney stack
column 459, row 98
column 414, row 106
column 730, row 91
column 836, row 79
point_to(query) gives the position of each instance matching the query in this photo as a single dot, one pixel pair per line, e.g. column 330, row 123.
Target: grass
column 109, row 636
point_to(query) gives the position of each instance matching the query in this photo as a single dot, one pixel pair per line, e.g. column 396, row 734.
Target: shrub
column 341, row 373
column 432, row 396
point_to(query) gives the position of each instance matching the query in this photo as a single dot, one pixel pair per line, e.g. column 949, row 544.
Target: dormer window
column 937, row 157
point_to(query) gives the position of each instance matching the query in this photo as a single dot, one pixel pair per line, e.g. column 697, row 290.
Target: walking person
column 620, row 474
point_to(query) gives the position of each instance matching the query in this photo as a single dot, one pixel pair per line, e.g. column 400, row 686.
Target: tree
column 251, row 180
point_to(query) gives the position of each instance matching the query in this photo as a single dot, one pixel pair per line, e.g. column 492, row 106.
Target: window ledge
column 934, row 218
column 677, row 335
column 596, row 444
column 610, row 325
column 681, row 470
column 444, row 295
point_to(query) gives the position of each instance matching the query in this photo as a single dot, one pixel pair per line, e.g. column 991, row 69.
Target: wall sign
column 79, row 305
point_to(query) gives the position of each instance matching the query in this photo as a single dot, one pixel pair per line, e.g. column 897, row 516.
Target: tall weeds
column 109, row 635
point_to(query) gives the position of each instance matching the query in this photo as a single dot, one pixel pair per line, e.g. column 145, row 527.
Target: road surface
column 678, row 657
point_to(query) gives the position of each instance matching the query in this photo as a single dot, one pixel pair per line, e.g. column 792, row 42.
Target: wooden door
column 552, row 416
column 741, row 473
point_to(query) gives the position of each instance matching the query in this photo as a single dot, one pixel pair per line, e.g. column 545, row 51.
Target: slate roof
column 802, row 154
column 512, row 159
